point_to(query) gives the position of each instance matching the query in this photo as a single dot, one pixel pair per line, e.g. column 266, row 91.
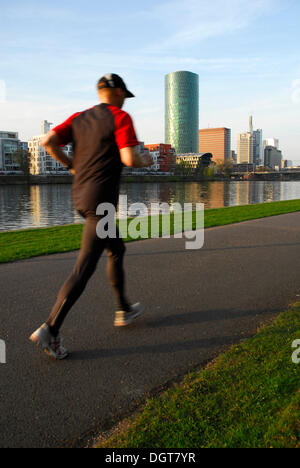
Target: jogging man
column 104, row 140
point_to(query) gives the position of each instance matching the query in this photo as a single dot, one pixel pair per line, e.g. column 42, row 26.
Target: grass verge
column 248, row 398
column 24, row 244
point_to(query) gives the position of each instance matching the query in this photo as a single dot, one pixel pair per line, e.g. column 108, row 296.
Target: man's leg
column 91, row 250
column 126, row 312
column 115, row 250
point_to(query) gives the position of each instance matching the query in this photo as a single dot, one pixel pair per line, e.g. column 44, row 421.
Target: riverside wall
column 41, row 180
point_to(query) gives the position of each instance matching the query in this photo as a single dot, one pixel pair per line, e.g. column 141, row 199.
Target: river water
column 24, row 207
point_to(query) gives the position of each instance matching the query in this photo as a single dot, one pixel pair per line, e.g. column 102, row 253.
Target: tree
column 224, row 167
column 183, row 168
column 22, row 159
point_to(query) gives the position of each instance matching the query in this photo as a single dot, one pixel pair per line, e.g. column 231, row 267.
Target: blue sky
column 245, row 52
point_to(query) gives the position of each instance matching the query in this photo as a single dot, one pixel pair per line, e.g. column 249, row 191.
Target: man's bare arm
column 51, row 144
column 131, row 157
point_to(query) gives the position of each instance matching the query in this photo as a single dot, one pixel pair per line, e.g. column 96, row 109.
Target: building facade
column 41, row 163
column 258, row 153
column 250, row 146
column 243, row 168
column 9, row 145
column 194, row 161
column 286, row 164
column 182, row 111
column 273, row 158
column 245, row 148
column 216, row 141
column 166, row 156
column 233, row 157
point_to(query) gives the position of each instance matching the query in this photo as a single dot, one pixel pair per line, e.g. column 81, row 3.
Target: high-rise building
column 216, row 141
column 182, row 111
column 257, row 147
column 257, row 143
column 273, row 157
column 245, row 148
column 46, row 127
column 233, row 157
column 250, row 146
column 271, row 142
column 251, row 124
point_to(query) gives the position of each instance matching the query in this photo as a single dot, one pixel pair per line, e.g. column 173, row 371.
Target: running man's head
column 112, row 90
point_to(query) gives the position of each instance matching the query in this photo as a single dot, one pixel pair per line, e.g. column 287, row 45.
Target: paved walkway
column 198, row 303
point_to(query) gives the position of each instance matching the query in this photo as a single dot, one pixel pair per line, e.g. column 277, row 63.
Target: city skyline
column 248, row 62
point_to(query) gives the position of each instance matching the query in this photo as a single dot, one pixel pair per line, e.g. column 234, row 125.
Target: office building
column 245, row 148
column 271, row 142
column 182, row 111
column 233, row 157
column 258, row 152
column 216, row 141
column 273, row 158
column 250, row 146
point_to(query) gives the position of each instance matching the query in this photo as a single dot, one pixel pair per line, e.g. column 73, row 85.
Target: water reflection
column 23, row 206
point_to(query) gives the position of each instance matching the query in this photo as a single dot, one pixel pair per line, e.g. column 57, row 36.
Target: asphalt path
column 197, row 304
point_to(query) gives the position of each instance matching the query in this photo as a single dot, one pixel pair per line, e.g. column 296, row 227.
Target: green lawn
column 248, row 398
column 29, row 243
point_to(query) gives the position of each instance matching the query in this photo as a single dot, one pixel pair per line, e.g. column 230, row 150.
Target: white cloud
column 195, row 21
column 26, row 116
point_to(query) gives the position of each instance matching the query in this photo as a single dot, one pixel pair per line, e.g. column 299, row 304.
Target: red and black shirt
column 97, row 135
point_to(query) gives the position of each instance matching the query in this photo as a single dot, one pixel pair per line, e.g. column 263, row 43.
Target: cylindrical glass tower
column 182, row 111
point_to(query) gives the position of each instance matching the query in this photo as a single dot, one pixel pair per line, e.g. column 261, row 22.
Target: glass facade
column 182, row 111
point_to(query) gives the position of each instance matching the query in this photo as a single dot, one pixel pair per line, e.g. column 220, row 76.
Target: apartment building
column 9, row 145
column 166, row 157
column 41, row 163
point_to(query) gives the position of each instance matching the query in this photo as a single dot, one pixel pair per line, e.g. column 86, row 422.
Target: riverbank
column 24, row 244
column 247, row 398
column 68, row 179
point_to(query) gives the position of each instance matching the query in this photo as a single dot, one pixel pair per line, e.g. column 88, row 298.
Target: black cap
column 111, row 80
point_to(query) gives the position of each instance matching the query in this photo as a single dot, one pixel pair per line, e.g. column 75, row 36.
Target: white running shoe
column 123, row 318
column 50, row 345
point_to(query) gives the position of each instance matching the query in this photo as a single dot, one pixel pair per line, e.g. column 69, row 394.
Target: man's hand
column 131, row 157
column 51, row 144
column 147, row 159
column 72, row 171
